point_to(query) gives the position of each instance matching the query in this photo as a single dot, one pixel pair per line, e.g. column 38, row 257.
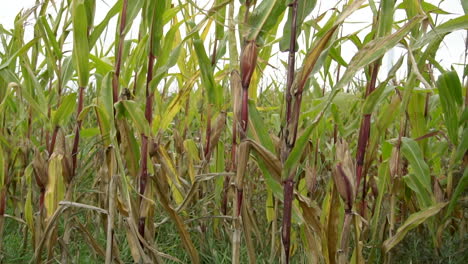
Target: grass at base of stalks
column 417, row 248
column 215, row 247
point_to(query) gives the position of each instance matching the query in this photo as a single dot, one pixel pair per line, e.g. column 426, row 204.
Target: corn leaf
column 264, row 17
column 419, row 180
column 80, row 42
column 65, row 110
column 412, row 222
column 213, row 90
column 450, row 93
column 440, row 31
column 132, row 110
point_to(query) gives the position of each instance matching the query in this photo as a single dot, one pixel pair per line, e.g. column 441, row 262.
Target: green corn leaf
column 158, row 8
column 259, row 132
column 133, row 8
column 102, row 67
column 386, row 17
column 50, row 37
column 296, row 152
column 316, row 55
column 258, row 129
column 214, row 91
column 419, row 180
column 67, row 69
column 104, row 123
column 461, row 187
column 65, row 110
column 170, row 52
column 35, row 104
column 19, row 52
column 96, row 34
column 170, row 13
column 374, row 50
column 440, row 31
column 264, row 17
column 451, row 99
column 80, row 42
column 85, row 112
column 131, row 110
column 463, row 146
column 220, row 18
column 427, row 7
column 90, row 6
column 413, row 154
column 375, row 98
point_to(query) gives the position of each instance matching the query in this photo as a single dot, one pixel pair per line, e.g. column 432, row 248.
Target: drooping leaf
column 412, row 222
column 427, row 7
column 374, row 50
column 441, row 30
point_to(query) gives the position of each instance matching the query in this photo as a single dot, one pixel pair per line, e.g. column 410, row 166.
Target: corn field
column 230, row 131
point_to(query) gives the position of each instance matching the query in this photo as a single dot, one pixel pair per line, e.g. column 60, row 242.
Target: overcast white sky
column 447, row 57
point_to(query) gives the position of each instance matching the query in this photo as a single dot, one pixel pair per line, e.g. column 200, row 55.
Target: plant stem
column 343, row 255
column 110, row 220
column 77, row 130
column 287, row 141
column 144, row 137
column 118, row 56
column 288, row 186
column 364, row 134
